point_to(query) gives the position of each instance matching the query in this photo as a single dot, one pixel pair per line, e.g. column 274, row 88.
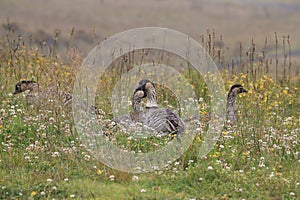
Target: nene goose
column 35, row 96
column 151, row 105
column 231, row 102
column 163, row 121
column 133, row 122
column 138, row 114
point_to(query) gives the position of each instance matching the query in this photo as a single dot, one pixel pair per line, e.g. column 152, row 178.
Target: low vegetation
column 41, row 155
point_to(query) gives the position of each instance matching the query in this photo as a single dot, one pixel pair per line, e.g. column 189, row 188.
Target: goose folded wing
column 165, row 121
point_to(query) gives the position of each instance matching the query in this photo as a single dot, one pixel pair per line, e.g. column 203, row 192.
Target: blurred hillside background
column 82, row 24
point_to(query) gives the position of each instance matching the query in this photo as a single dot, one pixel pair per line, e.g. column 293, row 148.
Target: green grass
column 42, row 157
column 236, row 21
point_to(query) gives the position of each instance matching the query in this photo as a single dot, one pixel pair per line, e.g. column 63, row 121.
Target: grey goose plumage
column 35, row 96
column 231, row 102
column 137, row 114
column 163, row 121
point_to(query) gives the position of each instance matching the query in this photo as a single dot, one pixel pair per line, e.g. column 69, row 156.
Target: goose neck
column 151, row 98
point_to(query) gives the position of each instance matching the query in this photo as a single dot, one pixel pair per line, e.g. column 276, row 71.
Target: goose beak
column 15, row 92
column 139, row 87
column 243, row 90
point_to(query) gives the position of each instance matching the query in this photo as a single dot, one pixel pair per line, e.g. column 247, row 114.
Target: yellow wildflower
column 278, row 174
column 216, row 154
column 33, row 193
column 99, row 172
column 244, row 76
column 203, row 112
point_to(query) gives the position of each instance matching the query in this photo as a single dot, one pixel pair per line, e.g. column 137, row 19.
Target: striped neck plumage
column 231, row 99
column 151, row 98
column 231, row 103
column 137, row 105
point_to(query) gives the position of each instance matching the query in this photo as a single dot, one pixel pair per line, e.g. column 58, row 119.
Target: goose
column 231, row 102
column 163, row 121
column 133, row 122
column 35, row 96
column 138, row 114
column 231, row 99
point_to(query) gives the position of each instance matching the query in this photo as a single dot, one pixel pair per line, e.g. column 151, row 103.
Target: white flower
column 143, row 190
column 87, row 157
column 72, row 195
column 49, row 180
column 135, row 178
column 261, row 164
column 112, row 177
column 55, row 154
column 51, row 119
column 292, row 194
column 210, row 168
column 262, row 158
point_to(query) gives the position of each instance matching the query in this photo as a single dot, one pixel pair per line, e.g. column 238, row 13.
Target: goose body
column 133, row 123
column 37, row 97
column 164, row 121
column 137, row 114
column 231, row 102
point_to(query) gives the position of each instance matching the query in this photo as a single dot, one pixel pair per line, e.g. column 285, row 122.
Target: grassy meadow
column 42, row 157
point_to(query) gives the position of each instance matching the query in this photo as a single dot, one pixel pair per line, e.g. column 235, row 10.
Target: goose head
column 149, row 90
column 136, row 100
column 145, row 85
column 236, row 89
column 25, row 85
column 138, row 95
